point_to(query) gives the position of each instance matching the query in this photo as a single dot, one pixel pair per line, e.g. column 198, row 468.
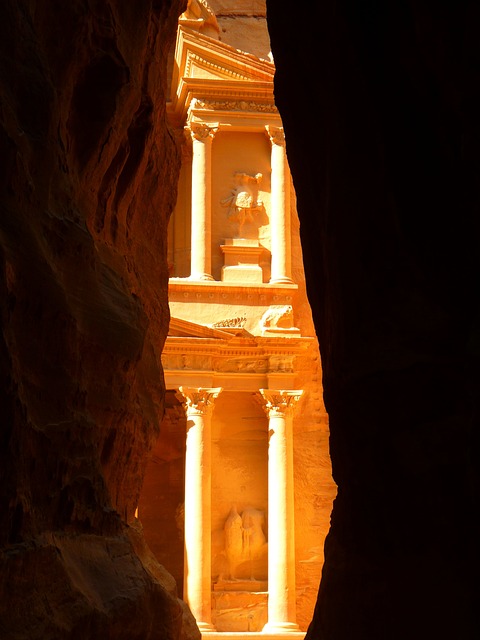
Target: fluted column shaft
column 201, row 244
column 280, row 210
column 198, row 551
column 281, row 524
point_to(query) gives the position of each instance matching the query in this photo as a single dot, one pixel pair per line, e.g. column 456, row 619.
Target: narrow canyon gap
column 380, row 106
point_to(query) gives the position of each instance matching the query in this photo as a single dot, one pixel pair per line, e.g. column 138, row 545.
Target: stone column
column 198, row 543
column 279, row 407
column 280, row 210
column 201, row 249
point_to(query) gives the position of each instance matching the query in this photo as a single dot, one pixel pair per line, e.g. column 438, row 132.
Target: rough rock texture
column 88, row 172
column 385, row 165
column 243, row 25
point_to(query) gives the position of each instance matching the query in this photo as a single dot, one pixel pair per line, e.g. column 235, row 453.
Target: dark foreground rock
column 88, row 174
column 380, row 103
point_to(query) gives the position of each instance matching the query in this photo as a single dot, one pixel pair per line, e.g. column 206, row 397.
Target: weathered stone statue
column 245, row 542
column 233, row 540
column 244, row 204
column 254, row 540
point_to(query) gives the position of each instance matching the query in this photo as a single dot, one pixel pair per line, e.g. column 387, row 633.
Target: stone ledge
column 218, row 286
column 254, row 635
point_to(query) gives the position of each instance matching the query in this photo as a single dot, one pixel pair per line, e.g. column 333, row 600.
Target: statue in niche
column 245, row 544
column 233, row 529
column 244, row 205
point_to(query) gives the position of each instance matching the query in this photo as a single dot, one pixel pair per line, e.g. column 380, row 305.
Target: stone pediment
column 204, row 64
column 188, row 329
column 199, row 56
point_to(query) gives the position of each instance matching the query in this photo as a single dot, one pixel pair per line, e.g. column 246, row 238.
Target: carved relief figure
column 254, row 540
column 244, row 204
column 233, row 540
column 278, row 315
column 245, row 543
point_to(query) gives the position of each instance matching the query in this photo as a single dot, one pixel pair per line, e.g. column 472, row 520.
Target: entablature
column 211, row 289
column 238, row 362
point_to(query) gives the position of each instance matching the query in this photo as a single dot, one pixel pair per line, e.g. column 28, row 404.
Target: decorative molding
column 241, row 365
column 276, row 135
column 202, row 131
column 213, row 67
column 281, row 402
column 232, row 105
column 236, row 355
column 237, row 323
column 199, row 400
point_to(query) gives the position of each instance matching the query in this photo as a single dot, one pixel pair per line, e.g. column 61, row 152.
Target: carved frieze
column 241, row 365
column 233, row 105
column 280, row 363
column 190, row 361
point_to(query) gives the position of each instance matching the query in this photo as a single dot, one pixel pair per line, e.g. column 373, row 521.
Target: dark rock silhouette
column 380, row 106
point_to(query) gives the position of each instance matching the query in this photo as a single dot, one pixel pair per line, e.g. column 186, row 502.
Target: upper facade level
column 232, row 220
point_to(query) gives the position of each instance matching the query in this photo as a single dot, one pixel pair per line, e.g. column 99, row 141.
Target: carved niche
column 245, row 551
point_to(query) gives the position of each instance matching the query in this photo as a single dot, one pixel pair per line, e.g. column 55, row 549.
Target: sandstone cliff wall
column 88, row 180
column 385, row 165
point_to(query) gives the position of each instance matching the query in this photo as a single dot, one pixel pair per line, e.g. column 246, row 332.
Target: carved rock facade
column 240, row 329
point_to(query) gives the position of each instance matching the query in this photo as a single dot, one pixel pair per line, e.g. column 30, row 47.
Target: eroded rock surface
column 88, row 180
column 385, row 165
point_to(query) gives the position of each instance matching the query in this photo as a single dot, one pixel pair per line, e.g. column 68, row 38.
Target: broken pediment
column 187, row 329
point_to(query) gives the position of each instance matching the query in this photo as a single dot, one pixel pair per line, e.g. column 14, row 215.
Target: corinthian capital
column 276, row 135
column 199, row 400
column 201, row 131
column 280, row 402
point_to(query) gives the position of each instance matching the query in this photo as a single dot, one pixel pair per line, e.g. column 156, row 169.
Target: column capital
column 199, row 400
column 280, row 402
column 276, row 135
column 201, row 131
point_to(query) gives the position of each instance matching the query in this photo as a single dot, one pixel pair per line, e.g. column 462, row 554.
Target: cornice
column 213, row 66
column 237, row 346
column 186, row 285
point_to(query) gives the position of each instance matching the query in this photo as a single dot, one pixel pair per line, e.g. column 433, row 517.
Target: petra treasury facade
column 235, row 506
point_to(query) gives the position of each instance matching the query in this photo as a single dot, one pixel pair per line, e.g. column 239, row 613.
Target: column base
column 206, row 627
column 280, row 627
column 200, row 276
column 281, row 280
